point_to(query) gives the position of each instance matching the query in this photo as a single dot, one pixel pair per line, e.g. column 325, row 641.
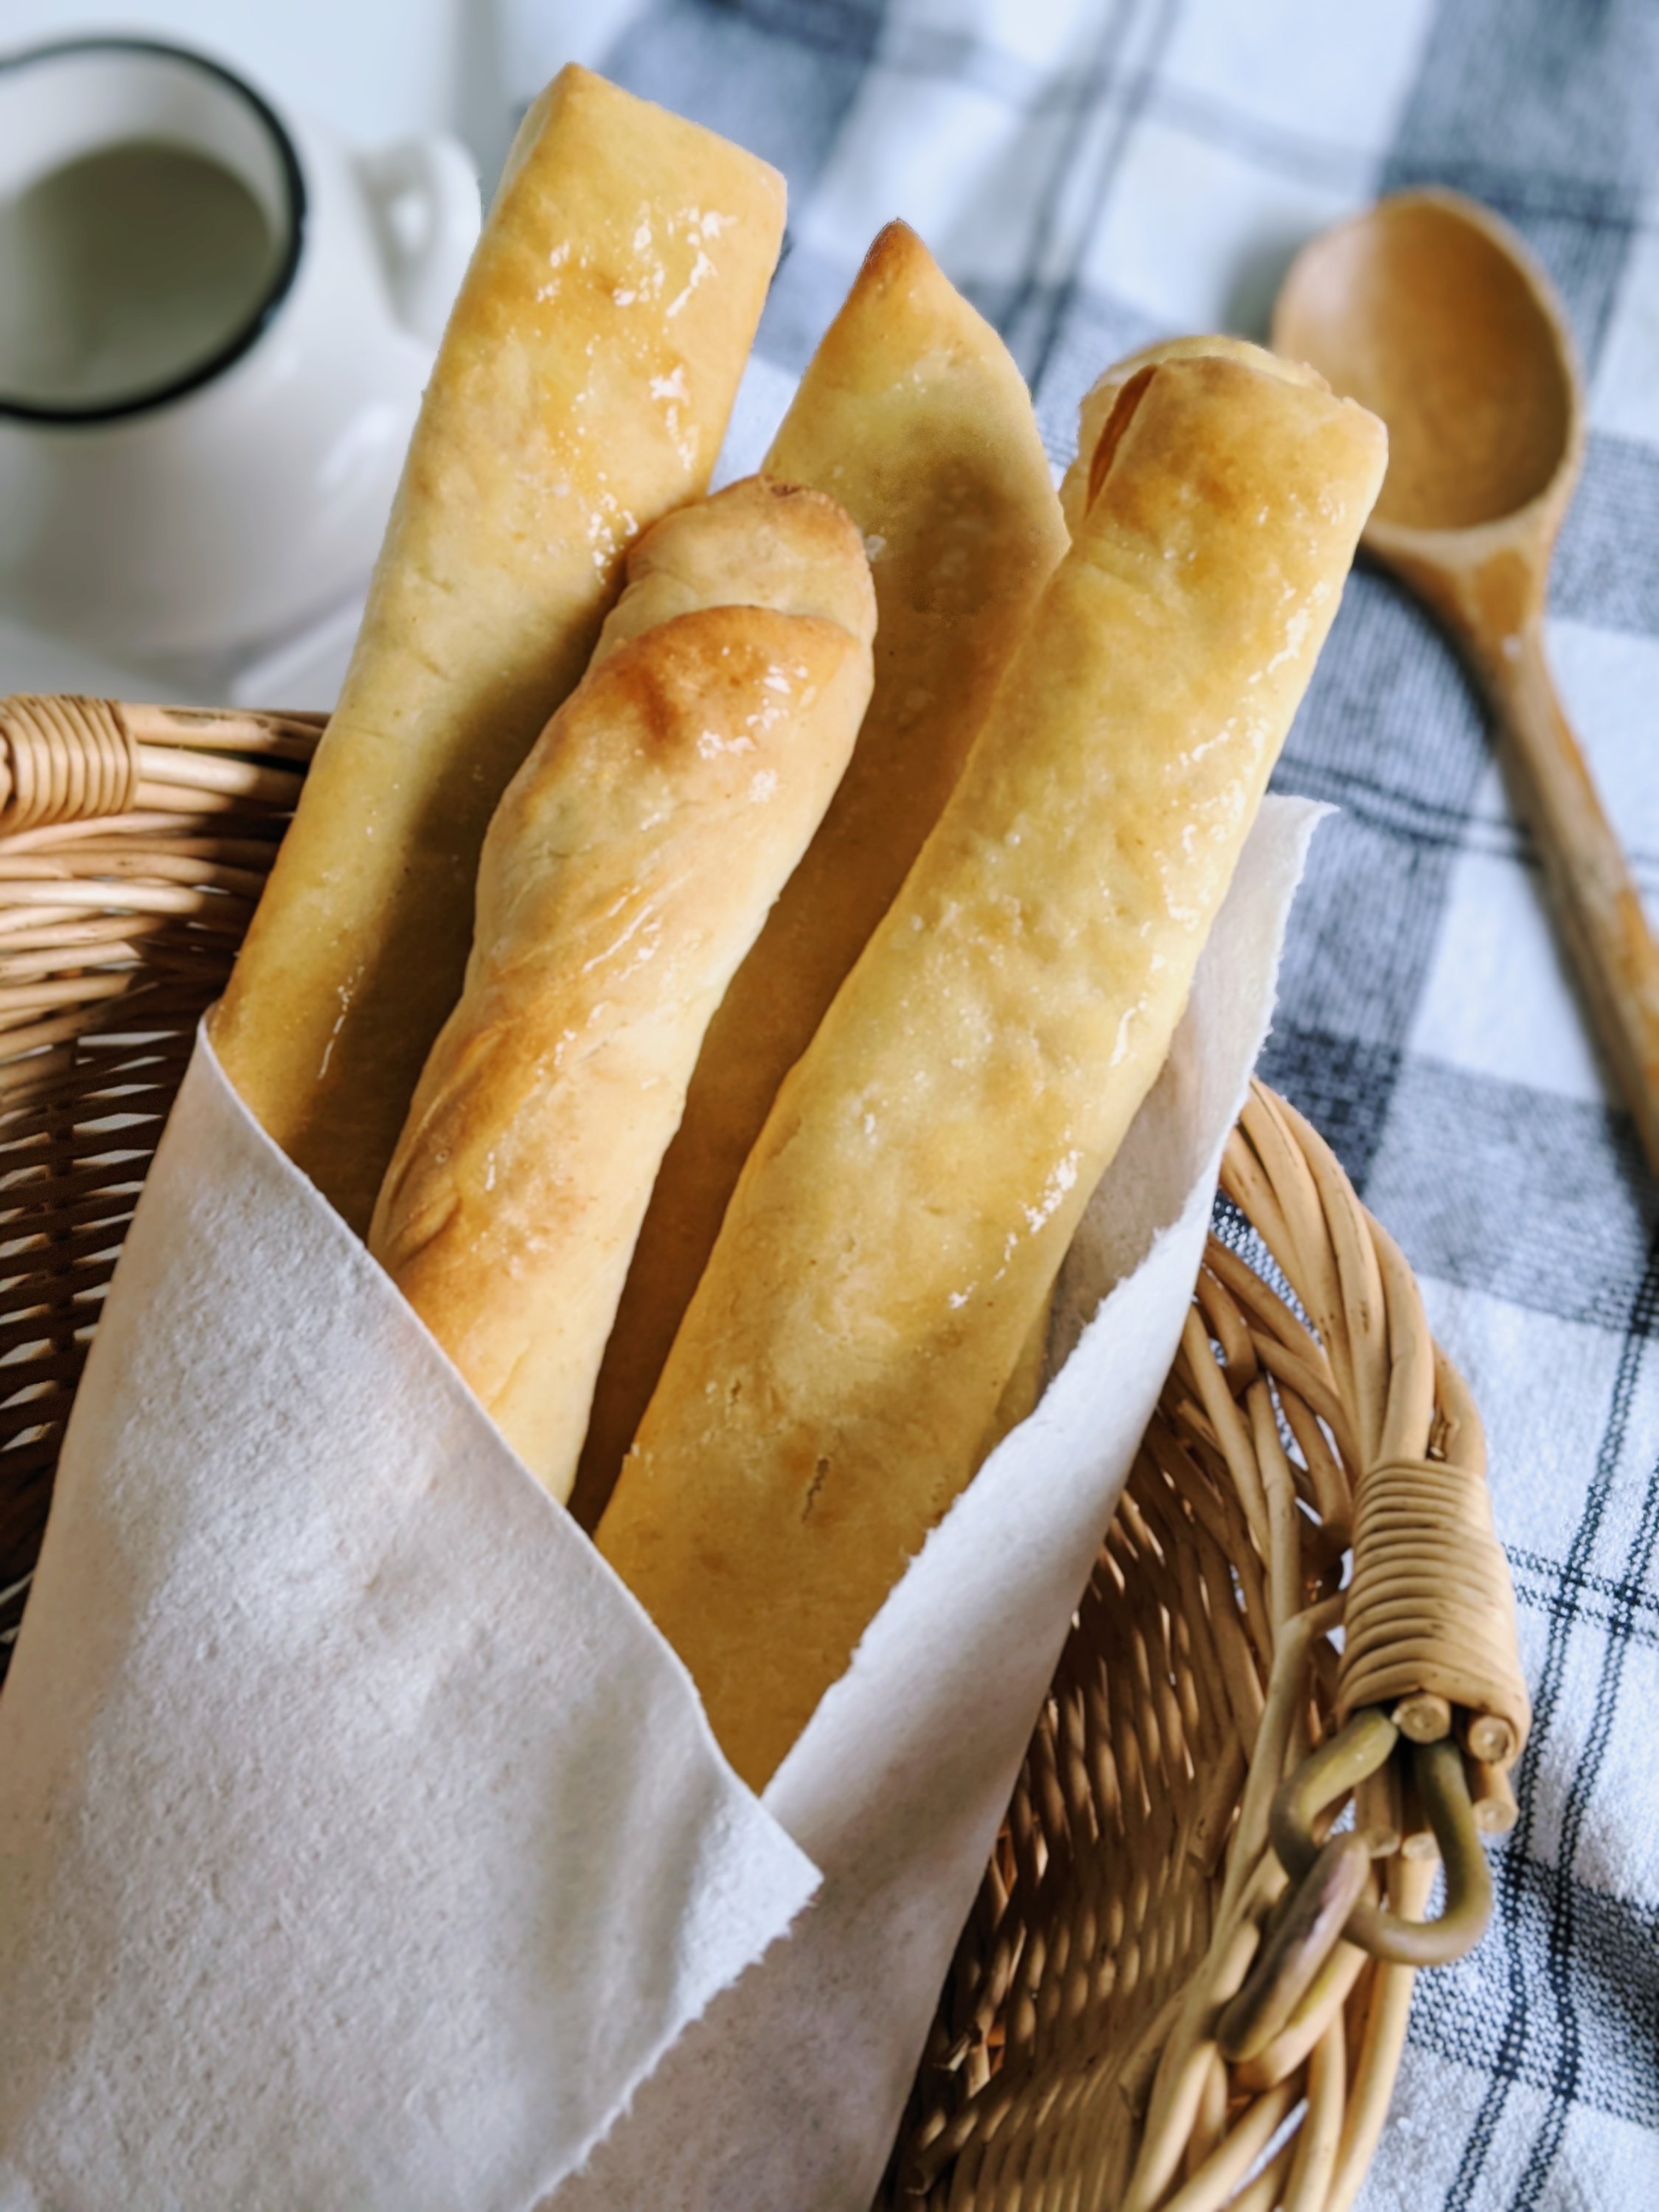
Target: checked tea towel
column 1099, row 172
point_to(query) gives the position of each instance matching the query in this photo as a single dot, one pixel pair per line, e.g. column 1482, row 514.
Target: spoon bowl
column 1434, row 315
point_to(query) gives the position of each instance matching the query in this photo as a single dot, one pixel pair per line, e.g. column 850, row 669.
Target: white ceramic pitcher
column 216, row 322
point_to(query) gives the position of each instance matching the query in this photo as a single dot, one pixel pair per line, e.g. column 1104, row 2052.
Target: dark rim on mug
column 242, row 339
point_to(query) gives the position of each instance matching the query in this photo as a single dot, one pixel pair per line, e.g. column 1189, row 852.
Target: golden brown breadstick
column 1101, row 396
column 912, row 414
column 632, row 860
column 580, row 391
column 927, row 1161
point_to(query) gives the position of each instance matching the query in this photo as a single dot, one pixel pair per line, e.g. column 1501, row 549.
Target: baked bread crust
column 913, row 415
column 1101, row 396
column 581, row 390
column 925, row 1162
column 629, row 866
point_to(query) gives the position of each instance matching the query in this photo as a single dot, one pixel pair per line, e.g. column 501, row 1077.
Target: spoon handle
column 1596, row 902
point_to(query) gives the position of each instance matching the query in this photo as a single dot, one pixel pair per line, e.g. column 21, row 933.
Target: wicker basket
column 1185, row 1981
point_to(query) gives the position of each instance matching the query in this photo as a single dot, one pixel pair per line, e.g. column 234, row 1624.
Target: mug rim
column 280, row 284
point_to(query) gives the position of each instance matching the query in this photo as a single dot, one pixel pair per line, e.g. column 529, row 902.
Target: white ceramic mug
column 215, row 323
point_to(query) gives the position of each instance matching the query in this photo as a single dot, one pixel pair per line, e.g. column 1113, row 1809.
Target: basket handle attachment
column 1333, row 1897
column 1298, row 1942
column 64, row 759
column 1429, row 1647
column 1443, row 1793
column 1429, row 1629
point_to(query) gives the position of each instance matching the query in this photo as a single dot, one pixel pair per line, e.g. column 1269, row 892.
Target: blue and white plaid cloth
column 1095, row 174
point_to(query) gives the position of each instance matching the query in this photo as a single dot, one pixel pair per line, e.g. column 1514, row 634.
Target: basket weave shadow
column 1185, row 1981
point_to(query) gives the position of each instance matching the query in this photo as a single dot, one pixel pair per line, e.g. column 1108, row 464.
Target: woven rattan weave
column 1292, row 1688
column 1146, row 2010
column 134, row 841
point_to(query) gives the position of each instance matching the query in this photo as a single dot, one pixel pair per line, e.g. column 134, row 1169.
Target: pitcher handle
column 424, row 196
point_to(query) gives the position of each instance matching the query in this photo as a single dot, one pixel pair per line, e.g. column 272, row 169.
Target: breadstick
column 624, row 876
column 1102, row 395
column 928, row 1160
column 580, row 391
column 913, row 415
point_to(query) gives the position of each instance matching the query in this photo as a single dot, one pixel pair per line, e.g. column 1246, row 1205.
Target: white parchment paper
column 363, row 1846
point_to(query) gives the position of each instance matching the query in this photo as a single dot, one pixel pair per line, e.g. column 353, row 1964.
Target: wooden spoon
column 1434, row 315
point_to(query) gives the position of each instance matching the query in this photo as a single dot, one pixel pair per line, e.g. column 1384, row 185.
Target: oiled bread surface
column 630, row 863
column 580, row 391
column 913, row 415
column 925, row 1162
